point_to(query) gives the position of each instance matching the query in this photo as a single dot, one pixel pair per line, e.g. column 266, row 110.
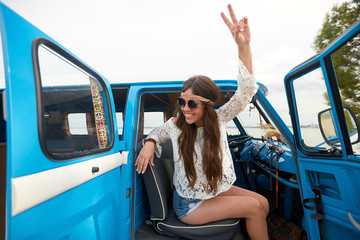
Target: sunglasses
column 192, row 104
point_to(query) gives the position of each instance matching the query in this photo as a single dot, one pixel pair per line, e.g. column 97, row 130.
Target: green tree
column 346, row 60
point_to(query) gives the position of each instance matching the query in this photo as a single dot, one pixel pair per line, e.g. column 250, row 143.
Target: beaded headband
column 197, row 97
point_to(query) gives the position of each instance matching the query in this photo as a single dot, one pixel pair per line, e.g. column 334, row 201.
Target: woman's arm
column 247, row 87
column 240, row 31
column 151, row 145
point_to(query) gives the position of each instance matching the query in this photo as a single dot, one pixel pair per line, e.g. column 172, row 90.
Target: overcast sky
column 143, row 40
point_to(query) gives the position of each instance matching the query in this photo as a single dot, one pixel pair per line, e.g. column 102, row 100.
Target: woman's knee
column 265, row 205
column 256, row 207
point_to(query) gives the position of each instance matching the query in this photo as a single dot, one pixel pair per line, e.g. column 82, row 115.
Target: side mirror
column 327, row 127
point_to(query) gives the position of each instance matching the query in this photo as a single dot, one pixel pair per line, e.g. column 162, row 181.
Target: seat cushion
column 172, row 226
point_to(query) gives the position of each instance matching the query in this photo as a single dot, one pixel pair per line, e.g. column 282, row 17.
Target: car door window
column 74, row 116
column 311, row 98
column 346, row 61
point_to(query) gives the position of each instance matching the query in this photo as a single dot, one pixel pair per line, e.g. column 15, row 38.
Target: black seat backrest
column 159, row 188
column 158, row 183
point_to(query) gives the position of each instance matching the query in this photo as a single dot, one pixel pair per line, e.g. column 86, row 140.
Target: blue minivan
column 69, row 140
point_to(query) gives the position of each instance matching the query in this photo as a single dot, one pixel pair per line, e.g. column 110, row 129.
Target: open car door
column 63, row 160
column 324, row 114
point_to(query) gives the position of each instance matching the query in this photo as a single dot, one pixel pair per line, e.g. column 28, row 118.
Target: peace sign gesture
column 240, row 31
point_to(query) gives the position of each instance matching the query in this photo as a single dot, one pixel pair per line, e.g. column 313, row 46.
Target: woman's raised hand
column 240, row 31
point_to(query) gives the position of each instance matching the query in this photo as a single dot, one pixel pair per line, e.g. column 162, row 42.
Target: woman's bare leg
column 226, row 206
column 237, row 191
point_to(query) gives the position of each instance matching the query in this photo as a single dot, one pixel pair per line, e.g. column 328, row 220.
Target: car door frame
column 24, row 220
column 322, row 161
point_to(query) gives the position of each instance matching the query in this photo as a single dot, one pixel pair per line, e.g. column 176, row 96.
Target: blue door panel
column 89, row 211
column 92, row 210
column 329, row 175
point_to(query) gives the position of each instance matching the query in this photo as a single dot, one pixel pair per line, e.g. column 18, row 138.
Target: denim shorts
column 184, row 206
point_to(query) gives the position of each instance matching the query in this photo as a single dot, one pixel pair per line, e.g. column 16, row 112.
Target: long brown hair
column 211, row 152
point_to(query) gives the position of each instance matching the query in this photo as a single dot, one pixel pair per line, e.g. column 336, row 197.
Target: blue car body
column 69, row 140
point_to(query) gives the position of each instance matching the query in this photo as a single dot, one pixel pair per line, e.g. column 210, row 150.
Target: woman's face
column 193, row 115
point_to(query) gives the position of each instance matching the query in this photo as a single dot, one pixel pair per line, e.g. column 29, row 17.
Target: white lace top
column 246, row 89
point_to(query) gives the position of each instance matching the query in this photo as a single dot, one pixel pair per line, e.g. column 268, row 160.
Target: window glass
column 152, row 120
column 2, row 73
column 77, row 123
column 2, row 117
column 311, row 98
column 120, row 123
column 252, row 121
column 2, row 99
column 120, row 97
column 256, row 125
column 232, row 129
column 76, row 117
column 346, row 61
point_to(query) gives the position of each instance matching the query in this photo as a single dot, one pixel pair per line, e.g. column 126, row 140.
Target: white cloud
column 114, row 36
column 142, row 40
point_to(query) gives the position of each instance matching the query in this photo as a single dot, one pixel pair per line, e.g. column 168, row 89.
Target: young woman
column 203, row 167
